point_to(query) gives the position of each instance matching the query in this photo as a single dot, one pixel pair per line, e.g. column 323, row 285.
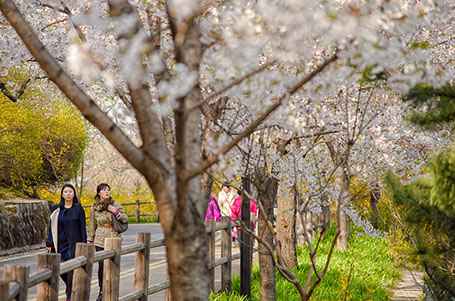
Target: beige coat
column 225, row 201
column 100, row 224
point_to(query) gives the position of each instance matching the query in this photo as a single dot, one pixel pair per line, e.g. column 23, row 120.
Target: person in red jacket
column 237, row 213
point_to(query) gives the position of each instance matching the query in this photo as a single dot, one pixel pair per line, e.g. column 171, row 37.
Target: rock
column 23, row 223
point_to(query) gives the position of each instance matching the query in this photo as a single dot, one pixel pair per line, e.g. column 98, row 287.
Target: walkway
column 410, row 287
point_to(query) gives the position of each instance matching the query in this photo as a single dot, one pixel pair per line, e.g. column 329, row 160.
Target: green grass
column 367, row 264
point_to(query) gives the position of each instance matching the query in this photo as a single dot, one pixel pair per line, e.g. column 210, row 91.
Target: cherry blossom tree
column 245, row 65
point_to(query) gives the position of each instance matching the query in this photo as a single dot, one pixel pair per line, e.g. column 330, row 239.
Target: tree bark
column 311, row 223
column 375, row 194
column 342, row 219
column 266, row 195
column 286, row 225
column 342, row 179
column 325, row 216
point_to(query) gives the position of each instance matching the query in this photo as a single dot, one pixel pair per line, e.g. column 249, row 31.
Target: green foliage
column 42, row 139
column 432, row 106
column 365, row 272
column 428, row 210
column 369, row 74
column 428, row 204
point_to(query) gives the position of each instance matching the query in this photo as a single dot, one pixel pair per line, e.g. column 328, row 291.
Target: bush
column 42, row 139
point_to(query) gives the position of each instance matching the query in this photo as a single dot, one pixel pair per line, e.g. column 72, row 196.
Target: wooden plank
column 19, row 274
column 72, row 264
column 138, row 209
column 4, row 290
column 159, row 287
column 14, row 289
column 138, row 246
column 246, row 258
column 157, row 243
column 211, row 251
column 226, row 251
column 141, row 275
column 48, row 290
column 111, row 275
column 141, row 264
column 39, row 276
column 103, row 255
column 82, row 277
column 131, row 296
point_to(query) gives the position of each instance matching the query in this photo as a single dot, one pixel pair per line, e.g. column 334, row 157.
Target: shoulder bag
column 118, row 226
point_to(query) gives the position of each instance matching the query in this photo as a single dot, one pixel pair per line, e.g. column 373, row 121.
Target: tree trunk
column 286, row 225
column 342, row 219
column 325, row 215
column 311, row 223
column 375, row 194
column 342, row 178
column 187, row 259
column 266, row 196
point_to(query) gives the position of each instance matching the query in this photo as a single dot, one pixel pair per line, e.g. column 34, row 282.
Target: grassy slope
column 367, row 265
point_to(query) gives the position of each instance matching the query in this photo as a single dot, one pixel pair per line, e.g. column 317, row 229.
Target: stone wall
column 23, row 223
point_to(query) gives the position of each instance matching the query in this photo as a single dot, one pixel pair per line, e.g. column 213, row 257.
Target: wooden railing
column 137, row 214
column 17, row 279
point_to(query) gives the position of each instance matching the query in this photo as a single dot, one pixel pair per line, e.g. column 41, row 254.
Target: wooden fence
column 137, row 214
column 17, row 279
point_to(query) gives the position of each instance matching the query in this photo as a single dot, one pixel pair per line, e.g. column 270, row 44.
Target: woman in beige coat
column 100, row 224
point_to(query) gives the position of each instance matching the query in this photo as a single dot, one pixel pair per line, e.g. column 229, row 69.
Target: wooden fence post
column 137, row 211
column 226, row 251
column 111, row 275
column 211, row 251
column 20, row 275
column 4, row 290
column 48, row 290
column 82, row 276
column 245, row 242
column 141, row 275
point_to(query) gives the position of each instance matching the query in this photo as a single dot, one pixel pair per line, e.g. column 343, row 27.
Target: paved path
column 410, row 287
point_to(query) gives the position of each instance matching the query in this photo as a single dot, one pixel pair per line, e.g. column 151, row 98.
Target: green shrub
column 42, row 139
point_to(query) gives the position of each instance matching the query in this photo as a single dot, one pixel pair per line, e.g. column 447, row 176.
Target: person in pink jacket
column 213, row 210
column 237, row 211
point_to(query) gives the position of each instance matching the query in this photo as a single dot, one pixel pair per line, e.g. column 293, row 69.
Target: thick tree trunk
column 286, row 225
column 187, row 258
column 266, row 196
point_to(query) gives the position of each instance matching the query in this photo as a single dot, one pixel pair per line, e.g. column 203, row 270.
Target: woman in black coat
column 67, row 227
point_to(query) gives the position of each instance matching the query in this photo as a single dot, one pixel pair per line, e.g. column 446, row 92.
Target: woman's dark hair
column 100, row 187
column 62, row 200
column 225, row 184
column 101, row 205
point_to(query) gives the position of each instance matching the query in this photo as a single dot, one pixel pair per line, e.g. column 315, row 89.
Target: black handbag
column 118, row 226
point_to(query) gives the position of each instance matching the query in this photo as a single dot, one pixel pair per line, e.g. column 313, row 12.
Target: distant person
column 237, row 213
column 226, row 198
column 67, row 227
column 100, row 224
column 213, row 210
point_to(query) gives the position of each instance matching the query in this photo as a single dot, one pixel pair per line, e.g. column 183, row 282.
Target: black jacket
column 74, row 227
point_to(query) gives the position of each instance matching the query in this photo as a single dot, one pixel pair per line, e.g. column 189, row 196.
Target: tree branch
column 75, row 94
column 232, row 84
column 215, row 158
column 21, row 91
